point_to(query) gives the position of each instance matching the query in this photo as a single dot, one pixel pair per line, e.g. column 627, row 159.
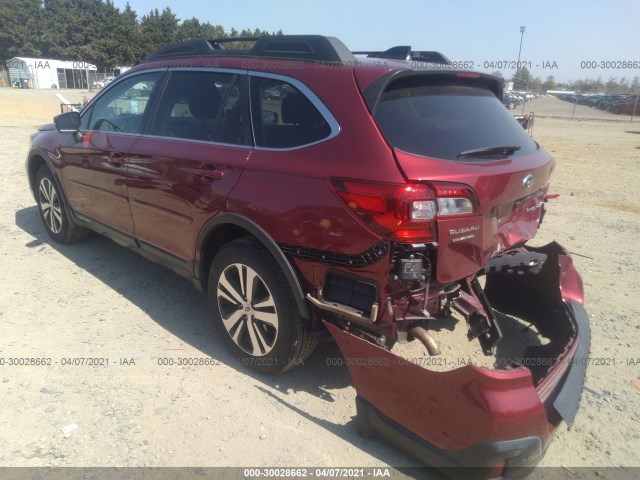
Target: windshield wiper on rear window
column 487, row 151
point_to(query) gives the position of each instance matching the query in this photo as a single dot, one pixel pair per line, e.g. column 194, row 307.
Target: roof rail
column 298, row 47
column 404, row 52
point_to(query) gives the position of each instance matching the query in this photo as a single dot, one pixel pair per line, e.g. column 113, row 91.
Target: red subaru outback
column 307, row 190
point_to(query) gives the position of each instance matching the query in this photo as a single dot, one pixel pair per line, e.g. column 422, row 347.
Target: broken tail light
column 405, row 212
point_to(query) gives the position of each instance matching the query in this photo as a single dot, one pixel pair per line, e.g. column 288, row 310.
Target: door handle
column 205, row 175
column 117, row 159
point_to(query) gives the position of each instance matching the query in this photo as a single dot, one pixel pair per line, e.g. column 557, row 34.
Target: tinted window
column 122, row 108
column 444, row 120
column 283, row 117
column 201, row 106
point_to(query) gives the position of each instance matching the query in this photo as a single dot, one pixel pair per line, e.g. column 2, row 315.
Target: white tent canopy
column 48, row 73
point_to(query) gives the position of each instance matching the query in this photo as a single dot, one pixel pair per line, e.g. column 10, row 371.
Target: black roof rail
column 404, row 52
column 297, row 47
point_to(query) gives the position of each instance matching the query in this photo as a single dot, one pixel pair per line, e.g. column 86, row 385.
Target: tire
column 616, row 109
column 53, row 211
column 269, row 338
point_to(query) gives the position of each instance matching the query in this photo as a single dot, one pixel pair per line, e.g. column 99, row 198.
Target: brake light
column 455, row 199
column 402, row 212
column 405, row 212
column 467, row 75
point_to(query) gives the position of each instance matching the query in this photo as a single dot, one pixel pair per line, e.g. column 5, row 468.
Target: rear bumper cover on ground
column 468, row 420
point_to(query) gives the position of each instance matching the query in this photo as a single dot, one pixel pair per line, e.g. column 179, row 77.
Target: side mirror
column 68, row 122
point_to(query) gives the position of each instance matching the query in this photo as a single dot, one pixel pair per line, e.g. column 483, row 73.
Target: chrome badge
column 527, row 182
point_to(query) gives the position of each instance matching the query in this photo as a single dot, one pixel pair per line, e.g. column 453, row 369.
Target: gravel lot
column 96, row 299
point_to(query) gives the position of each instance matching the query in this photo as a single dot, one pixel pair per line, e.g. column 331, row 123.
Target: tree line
column 96, row 31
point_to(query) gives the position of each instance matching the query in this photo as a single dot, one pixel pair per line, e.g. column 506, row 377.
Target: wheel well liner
column 235, row 226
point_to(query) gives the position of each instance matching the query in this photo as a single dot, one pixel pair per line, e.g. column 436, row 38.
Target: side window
column 283, row 117
column 200, row 106
column 122, row 108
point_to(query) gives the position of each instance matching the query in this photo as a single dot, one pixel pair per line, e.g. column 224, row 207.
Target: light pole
column 522, row 29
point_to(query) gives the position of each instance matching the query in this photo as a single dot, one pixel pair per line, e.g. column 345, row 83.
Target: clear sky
column 567, row 32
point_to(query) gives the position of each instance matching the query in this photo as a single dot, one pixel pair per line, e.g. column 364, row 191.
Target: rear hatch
column 451, row 130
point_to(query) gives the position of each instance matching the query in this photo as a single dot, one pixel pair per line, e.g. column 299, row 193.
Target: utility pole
column 522, row 29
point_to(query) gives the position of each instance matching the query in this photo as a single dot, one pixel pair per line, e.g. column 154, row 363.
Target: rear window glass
column 443, row 120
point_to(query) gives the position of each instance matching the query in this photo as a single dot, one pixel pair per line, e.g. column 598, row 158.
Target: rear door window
column 283, row 117
column 444, row 118
column 201, row 106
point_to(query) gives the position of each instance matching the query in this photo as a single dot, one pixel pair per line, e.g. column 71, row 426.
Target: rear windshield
column 445, row 119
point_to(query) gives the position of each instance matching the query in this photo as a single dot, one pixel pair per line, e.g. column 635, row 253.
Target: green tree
column 68, row 26
column 117, row 39
column 522, row 79
column 191, row 28
column 612, row 85
column 536, row 85
column 158, row 29
column 549, row 83
column 21, row 29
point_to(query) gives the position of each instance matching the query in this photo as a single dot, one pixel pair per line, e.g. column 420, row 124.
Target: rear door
column 95, row 163
column 453, row 129
column 182, row 170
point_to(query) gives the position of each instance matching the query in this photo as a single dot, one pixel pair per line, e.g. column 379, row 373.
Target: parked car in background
column 103, row 83
column 518, row 97
column 626, row 106
column 509, row 101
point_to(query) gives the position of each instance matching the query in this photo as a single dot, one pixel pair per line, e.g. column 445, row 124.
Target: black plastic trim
column 404, row 52
column 265, row 239
column 296, row 47
column 567, row 401
column 360, row 260
column 157, row 255
column 327, row 294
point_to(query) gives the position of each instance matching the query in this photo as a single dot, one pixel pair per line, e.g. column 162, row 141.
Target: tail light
column 405, row 212
column 455, row 199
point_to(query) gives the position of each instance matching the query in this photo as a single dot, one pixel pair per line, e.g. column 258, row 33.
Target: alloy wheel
column 50, row 205
column 247, row 309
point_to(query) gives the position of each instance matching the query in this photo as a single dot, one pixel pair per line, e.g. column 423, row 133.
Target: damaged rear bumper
column 476, row 422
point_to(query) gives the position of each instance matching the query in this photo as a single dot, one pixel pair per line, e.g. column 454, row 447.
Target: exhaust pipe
column 427, row 340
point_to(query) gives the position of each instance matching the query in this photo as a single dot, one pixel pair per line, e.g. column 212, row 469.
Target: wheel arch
column 229, row 226
column 37, row 159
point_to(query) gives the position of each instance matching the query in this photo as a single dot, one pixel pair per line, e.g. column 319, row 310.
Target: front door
column 94, row 164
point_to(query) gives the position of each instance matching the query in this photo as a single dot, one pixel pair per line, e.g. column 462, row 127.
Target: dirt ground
column 96, row 299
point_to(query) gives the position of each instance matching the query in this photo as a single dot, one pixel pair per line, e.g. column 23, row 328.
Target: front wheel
column 53, row 213
column 254, row 309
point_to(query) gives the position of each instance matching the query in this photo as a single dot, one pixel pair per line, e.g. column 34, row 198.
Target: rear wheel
column 254, row 309
column 53, row 211
column 616, row 109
